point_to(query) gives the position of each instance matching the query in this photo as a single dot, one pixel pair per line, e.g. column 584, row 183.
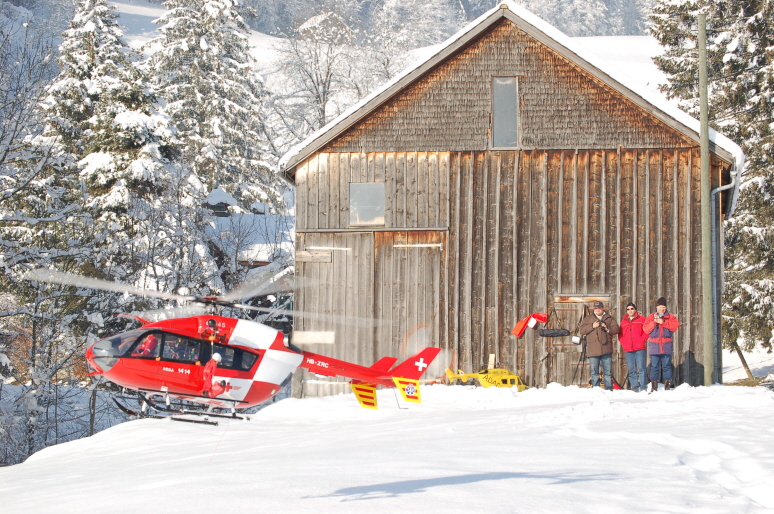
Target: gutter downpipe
column 718, row 348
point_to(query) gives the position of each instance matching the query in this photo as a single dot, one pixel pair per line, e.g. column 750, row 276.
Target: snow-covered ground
column 464, row 449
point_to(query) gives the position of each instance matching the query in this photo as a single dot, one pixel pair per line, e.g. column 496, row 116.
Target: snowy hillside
column 463, row 449
column 631, row 54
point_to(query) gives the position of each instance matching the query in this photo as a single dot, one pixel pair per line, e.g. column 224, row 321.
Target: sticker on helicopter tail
column 409, row 388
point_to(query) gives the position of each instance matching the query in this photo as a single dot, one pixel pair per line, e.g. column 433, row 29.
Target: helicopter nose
column 90, row 360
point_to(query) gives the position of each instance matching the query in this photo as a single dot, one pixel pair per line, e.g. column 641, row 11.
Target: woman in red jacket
column 633, row 340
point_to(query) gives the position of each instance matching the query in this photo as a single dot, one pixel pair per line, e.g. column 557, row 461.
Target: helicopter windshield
column 107, row 351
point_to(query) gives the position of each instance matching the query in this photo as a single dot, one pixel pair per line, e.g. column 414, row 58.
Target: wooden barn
column 507, row 174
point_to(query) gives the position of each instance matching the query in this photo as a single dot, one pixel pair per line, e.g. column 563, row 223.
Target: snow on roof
column 653, row 102
column 217, row 196
column 256, row 237
column 316, row 21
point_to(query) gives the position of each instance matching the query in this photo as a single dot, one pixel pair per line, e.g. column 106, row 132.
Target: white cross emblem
column 420, row 364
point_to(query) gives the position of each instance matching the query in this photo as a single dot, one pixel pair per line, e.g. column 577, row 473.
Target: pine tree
column 202, row 67
column 741, row 75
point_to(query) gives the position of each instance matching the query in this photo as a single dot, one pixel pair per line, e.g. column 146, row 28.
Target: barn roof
column 655, row 104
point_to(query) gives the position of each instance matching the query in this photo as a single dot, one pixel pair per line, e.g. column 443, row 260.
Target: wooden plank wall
column 415, row 184
column 409, row 296
column 341, row 292
column 524, row 227
column 528, row 226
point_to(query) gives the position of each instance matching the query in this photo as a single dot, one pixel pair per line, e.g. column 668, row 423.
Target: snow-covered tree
column 202, row 67
column 741, row 75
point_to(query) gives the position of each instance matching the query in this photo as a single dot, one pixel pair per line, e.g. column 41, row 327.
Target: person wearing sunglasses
column 634, row 340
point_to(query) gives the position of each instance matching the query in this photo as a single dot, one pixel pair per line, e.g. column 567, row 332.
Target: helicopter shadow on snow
column 395, row 489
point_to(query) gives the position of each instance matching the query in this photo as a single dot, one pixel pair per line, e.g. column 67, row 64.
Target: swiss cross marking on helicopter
column 420, row 364
column 411, row 390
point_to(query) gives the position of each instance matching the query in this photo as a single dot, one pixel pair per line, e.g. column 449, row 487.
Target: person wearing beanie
column 599, row 327
column 633, row 340
column 660, row 327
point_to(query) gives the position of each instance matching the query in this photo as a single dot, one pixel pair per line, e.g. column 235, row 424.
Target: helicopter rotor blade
column 259, row 285
column 315, row 316
column 184, row 311
column 71, row 279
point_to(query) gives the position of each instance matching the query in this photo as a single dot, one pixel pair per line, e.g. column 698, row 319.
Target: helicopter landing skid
column 129, row 412
column 143, row 415
column 163, row 408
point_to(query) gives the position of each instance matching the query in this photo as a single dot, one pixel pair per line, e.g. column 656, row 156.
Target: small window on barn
column 366, row 203
column 505, row 102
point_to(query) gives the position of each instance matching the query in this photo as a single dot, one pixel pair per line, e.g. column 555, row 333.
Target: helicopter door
column 142, row 363
column 180, row 369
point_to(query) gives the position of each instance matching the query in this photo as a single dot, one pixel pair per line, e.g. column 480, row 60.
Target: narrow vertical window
column 505, row 102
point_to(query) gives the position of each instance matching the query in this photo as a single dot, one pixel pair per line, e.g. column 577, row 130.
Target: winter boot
column 653, row 386
column 667, row 385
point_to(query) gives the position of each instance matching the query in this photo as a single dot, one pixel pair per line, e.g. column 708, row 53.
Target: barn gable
column 561, row 106
column 580, row 83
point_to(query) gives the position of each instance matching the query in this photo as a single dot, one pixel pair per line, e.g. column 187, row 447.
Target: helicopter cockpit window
column 226, row 357
column 234, row 358
column 182, row 349
column 107, row 351
column 248, row 359
column 149, row 347
column 127, row 340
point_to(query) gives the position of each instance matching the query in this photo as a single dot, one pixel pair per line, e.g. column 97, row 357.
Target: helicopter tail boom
column 378, row 374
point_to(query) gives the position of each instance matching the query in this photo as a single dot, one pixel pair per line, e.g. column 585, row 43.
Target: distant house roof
column 218, row 196
column 328, row 27
column 655, row 104
column 253, row 238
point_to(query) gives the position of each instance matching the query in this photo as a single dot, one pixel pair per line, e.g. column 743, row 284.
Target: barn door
column 568, row 364
column 335, row 296
column 407, row 293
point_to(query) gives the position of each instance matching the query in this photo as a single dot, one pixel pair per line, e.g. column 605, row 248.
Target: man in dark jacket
column 599, row 327
column 660, row 326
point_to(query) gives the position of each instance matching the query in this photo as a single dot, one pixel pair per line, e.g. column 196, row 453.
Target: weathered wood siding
column 527, row 231
column 409, row 294
column 532, row 228
column 340, row 289
column 560, row 105
column 415, row 187
column 380, row 293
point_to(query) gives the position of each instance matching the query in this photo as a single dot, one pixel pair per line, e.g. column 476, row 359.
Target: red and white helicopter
column 224, row 362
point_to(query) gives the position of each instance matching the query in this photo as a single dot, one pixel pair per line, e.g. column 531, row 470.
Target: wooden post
column 706, row 220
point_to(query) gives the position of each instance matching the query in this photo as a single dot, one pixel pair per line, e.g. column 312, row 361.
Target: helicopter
column 494, row 375
column 222, row 362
